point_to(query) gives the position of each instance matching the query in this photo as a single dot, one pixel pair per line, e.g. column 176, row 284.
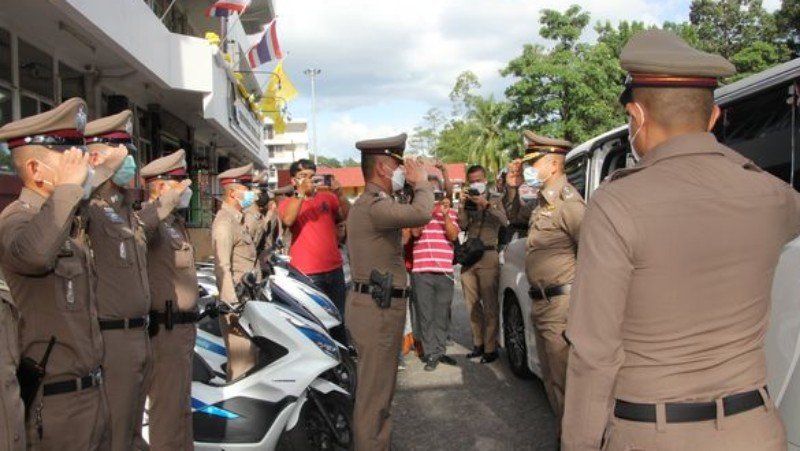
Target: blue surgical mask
column 532, row 177
column 248, row 199
column 125, row 173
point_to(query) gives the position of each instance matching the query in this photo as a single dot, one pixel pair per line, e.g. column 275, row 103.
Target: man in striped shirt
column 432, row 278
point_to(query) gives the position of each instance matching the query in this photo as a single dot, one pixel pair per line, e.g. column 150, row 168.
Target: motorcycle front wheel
column 317, row 430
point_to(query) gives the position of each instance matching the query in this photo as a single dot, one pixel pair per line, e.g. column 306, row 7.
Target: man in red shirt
column 312, row 215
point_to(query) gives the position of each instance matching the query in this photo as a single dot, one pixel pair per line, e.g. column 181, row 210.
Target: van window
column 576, row 172
column 617, row 157
column 760, row 128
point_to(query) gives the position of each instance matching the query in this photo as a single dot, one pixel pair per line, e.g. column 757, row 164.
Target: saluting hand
column 415, row 171
column 183, row 185
column 72, row 167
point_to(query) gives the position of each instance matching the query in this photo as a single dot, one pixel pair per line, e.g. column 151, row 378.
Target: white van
column 761, row 119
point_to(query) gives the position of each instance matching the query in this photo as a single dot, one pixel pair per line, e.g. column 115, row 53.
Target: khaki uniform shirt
column 518, row 214
column 494, row 217
column 672, row 293
column 12, row 425
column 553, row 235
column 234, row 251
column 171, row 267
column 256, row 224
column 48, row 268
column 119, row 246
column 374, row 226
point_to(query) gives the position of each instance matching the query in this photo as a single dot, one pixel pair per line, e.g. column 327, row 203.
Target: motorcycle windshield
column 281, row 297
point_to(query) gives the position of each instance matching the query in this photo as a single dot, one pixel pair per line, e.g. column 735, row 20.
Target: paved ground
column 469, row 407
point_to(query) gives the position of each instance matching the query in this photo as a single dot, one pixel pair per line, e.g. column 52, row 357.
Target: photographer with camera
column 312, row 215
column 482, row 216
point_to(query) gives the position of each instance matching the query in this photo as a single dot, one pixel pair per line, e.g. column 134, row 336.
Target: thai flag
column 224, row 8
column 267, row 48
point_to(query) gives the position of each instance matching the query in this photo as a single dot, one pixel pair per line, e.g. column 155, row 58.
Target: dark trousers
column 332, row 284
column 433, row 295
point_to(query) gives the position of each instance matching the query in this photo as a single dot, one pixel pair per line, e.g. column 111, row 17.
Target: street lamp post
column 312, row 74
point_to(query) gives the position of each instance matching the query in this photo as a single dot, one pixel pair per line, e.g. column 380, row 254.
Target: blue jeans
column 332, row 284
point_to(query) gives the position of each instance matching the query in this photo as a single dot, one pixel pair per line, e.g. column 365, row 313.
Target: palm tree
column 487, row 144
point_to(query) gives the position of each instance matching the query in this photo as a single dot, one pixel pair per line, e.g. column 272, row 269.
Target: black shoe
column 489, row 357
column 431, row 364
column 477, row 351
column 447, row 360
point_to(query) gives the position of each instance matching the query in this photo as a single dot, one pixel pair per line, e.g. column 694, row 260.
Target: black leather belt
column 94, row 379
column 177, row 317
column 687, row 412
column 536, row 294
column 127, row 323
column 397, row 293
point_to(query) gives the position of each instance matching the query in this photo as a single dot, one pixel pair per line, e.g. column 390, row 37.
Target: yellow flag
column 280, row 85
column 278, row 123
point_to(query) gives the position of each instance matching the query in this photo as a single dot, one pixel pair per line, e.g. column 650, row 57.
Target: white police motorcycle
column 285, row 402
column 285, row 285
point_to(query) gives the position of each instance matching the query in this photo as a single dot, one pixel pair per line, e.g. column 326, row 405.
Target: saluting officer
column 12, row 411
column 254, row 218
column 173, row 291
column 552, row 253
column 234, row 256
column 374, row 225
column 46, row 262
column 672, row 293
column 119, row 246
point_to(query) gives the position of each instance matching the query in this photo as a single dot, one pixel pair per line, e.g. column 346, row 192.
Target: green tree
column 788, row 23
column 740, row 30
column 328, row 161
column 424, row 137
column 570, row 90
column 462, row 95
column 350, row 162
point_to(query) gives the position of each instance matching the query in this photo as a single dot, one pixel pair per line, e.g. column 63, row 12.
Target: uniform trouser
column 433, row 295
column 170, row 389
column 378, row 335
column 126, row 368
column 480, row 284
column 242, row 353
column 757, row 429
column 549, row 319
column 75, row 421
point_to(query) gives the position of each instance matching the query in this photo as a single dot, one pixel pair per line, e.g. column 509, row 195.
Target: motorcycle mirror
column 250, row 279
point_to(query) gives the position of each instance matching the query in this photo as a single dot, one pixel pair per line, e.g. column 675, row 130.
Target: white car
column 760, row 119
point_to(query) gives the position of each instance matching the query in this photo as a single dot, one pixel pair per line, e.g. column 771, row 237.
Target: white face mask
column 480, row 187
column 531, row 176
column 632, row 137
column 398, row 178
column 186, row 199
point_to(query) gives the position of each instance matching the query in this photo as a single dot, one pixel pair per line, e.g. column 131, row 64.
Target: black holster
column 30, row 375
column 156, row 320
column 381, row 288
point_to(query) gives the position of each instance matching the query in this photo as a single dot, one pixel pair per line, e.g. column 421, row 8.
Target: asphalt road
column 469, row 407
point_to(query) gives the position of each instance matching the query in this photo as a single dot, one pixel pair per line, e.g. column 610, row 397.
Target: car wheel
column 514, row 333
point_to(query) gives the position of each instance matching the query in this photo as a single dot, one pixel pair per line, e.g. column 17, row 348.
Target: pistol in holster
column 156, row 318
column 381, row 288
column 30, row 375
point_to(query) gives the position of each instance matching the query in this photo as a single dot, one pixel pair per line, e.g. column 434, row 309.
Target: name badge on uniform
column 113, row 216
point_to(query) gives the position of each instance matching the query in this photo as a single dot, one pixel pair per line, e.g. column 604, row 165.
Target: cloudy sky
column 385, row 63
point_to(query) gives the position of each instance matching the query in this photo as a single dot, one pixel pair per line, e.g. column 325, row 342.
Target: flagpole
column 312, row 73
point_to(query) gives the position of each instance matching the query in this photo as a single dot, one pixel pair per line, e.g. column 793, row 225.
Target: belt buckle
column 97, row 377
column 126, row 323
column 146, row 321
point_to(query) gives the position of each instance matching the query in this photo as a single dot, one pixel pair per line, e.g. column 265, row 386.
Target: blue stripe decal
column 211, row 346
column 200, row 406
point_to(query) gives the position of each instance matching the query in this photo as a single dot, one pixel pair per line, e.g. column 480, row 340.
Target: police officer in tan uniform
column 234, row 256
column 173, row 291
column 482, row 215
column 46, row 262
column 375, row 223
column 12, row 411
column 254, row 218
column 552, row 253
column 672, row 294
column 119, row 246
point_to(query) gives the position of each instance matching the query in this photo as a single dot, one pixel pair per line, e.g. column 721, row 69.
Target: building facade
column 187, row 88
column 285, row 148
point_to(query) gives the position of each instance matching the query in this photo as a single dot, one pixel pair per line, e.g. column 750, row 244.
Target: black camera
column 438, row 195
column 473, row 192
